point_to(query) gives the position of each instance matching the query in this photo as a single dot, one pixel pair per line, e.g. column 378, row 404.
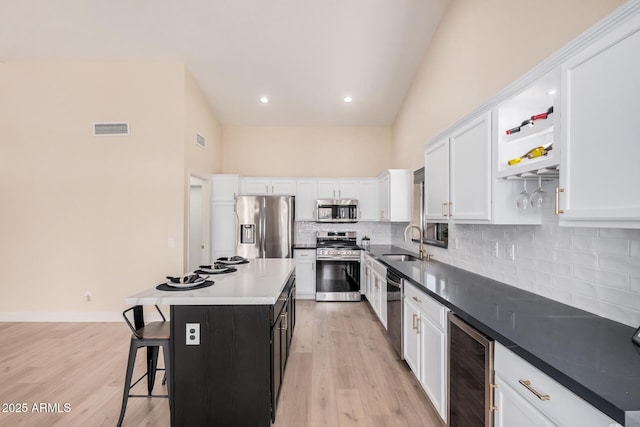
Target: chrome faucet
column 422, row 250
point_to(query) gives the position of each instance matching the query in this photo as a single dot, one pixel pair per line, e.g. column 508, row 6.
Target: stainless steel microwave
column 337, row 210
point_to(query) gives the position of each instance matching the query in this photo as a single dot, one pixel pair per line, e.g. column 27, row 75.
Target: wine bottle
column 532, row 154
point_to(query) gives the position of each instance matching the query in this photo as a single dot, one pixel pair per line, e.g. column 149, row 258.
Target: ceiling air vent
column 200, row 140
column 106, row 129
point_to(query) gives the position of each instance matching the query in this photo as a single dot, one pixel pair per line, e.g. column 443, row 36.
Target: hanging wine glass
column 539, row 198
column 522, row 202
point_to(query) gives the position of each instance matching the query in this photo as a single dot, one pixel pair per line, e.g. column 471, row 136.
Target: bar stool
column 153, row 335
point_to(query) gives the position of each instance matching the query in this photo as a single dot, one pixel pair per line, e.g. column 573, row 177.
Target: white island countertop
column 259, row 282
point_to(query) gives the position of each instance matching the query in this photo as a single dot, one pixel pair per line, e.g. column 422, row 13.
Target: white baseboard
column 89, row 316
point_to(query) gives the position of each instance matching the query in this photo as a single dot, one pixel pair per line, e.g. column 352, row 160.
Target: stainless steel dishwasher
column 394, row 310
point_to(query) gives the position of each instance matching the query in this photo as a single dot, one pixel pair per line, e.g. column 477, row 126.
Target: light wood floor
column 342, row 372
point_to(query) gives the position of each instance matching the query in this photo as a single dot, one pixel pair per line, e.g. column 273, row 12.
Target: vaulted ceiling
column 305, row 56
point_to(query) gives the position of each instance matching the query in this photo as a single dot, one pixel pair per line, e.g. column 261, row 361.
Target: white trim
column 89, row 316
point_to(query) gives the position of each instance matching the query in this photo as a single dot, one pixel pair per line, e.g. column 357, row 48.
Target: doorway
column 197, row 247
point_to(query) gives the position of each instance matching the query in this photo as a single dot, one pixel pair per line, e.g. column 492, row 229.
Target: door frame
column 196, row 180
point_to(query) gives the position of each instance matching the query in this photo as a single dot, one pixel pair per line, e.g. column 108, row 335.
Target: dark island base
column 226, row 379
column 233, row 377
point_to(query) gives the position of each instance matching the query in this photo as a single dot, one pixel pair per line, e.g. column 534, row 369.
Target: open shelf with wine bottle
column 527, row 128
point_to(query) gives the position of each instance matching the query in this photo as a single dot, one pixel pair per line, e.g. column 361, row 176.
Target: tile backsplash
column 378, row 232
column 595, row 269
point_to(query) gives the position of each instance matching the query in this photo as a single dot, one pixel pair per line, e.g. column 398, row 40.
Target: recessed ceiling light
column 552, row 92
column 348, row 99
column 264, row 99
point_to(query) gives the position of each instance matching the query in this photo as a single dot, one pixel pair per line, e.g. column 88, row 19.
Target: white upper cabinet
column 224, row 188
column 383, row 198
column 337, row 189
column 394, row 195
column 268, row 186
column 436, row 180
column 601, row 135
column 526, row 147
column 368, row 199
column 306, row 196
column 470, row 170
column 527, row 121
column 458, row 173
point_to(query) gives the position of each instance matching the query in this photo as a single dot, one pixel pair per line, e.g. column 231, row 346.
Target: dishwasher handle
column 394, row 280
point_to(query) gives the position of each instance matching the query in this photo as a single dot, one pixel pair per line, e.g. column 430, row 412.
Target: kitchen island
column 229, row 344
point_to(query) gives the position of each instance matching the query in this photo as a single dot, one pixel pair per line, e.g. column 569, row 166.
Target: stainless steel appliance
column 337, row 266
column 265, row 226
column 470, row 375
column 394, row 310
column 336, row 210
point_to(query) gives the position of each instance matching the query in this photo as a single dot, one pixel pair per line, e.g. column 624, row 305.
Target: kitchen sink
column 400, row 257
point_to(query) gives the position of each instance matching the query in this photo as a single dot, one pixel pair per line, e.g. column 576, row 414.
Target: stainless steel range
column 337, row 266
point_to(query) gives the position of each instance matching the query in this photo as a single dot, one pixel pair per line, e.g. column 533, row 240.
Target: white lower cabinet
column 425, row 344
column 513, row 410
column 526, row 396
column 375, row 287
column 411, row 337
column 305, row 273
column 380, row 292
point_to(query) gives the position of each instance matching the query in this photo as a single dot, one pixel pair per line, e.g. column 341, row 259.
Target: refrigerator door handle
column 263, row 234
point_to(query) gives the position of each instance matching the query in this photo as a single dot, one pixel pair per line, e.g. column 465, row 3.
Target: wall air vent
column 200, row 140
column 111, row 129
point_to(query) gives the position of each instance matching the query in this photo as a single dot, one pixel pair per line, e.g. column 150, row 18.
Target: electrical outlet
column 193, row 334
column 87, row 296
column 511, row 253
column 496, row 249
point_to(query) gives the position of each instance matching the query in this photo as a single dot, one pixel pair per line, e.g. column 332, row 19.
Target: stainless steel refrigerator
column 265, row 226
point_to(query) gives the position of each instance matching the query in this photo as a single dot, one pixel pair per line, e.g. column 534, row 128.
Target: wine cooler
column 470, row 376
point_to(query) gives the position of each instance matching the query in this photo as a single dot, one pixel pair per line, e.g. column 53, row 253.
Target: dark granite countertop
column 588, row 354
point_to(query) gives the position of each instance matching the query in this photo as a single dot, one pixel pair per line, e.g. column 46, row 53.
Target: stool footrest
column 153, row 395
column 146, row 374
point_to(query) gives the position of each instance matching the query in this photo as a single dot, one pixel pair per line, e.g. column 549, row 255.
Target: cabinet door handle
column 444, row 204
column 527, row 385
column 450, row 209
column 492, row 398
column 416, row 299
column 272, row 192
column 414, row 322
column 284, row 321
column 418, row 320
column 557, row 210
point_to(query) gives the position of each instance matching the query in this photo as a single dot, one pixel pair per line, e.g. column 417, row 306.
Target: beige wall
column 307, row 151
column 479, row 48
column 83, row 213
column 199, row 162
column 200, row 119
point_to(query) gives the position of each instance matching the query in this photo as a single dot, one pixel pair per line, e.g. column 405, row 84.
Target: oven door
column 337, row 280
